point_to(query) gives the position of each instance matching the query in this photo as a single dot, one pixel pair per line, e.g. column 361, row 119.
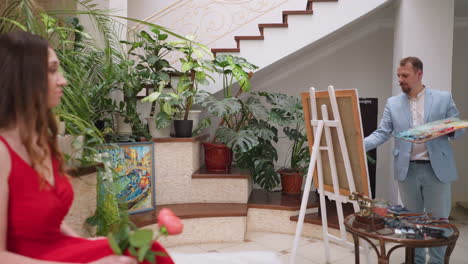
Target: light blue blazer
column 397, row 117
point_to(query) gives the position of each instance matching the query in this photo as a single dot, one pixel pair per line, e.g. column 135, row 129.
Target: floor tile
column 209, row 247
column 310, row 251
column 299, row 260
column 248, row 246
column 279, row 242
column 316, row 252
column 185, row 249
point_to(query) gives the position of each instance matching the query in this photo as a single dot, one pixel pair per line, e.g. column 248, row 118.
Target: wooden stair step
column 214, row 51
column 278, row 201
column 191, row 210
column 249, row 37
column 332, row 216
column 295, row 12
column 309, row 3
column 239, row 38
column 261, row 27
column 233, row 173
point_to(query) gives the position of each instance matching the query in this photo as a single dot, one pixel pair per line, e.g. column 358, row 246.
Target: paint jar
column 380, row 207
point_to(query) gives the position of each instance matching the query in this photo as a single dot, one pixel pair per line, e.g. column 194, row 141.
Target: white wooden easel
column 318, row 128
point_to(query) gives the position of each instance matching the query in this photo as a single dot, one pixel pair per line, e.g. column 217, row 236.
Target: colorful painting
column 425, row 132
column 134, row 164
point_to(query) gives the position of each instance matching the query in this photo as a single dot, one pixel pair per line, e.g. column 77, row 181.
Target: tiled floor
column 311, row 251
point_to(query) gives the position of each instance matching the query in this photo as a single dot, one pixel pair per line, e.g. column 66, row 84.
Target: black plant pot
column 183, row 128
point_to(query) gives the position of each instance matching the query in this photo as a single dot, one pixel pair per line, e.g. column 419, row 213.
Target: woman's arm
column 9, row 257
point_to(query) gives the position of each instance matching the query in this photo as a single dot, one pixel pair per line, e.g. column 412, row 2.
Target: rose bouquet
column 139, row 242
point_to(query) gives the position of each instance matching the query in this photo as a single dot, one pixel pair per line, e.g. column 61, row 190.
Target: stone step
column 203, row 222
column 272, row 212
column 220, row 187
column 332, row 215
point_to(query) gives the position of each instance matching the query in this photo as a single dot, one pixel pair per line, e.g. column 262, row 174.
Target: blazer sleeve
column 452, row 111
column 383, row 132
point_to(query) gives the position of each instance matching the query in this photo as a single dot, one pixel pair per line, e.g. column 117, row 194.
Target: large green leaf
column 221, row 108
column 257, row 109
column 263, row 130
column 141, row 237
column 152, row 97
column 243, row 140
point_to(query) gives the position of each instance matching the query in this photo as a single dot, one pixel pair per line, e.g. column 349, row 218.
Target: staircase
column 298, row 29
column 261, row 27
column 217, row 207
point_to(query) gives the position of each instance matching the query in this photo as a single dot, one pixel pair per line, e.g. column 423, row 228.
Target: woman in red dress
column 35, row 194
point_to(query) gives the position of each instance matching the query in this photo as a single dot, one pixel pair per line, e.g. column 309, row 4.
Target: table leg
column 356, row 249
column 448, row 251
column 382, row 257
column 383, row 260
column 409, row 255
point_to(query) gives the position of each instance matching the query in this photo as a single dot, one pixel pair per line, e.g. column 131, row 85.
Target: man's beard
column 405, row 88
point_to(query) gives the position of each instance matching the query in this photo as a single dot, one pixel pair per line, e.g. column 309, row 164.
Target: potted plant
column 248, row 132
column 288, row 112
column 153, row 71
column 193, row 72
column 176, row 104
column 218, row 156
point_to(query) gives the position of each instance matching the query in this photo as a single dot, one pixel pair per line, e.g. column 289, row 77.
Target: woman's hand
column 96, row 238
column 115, row 260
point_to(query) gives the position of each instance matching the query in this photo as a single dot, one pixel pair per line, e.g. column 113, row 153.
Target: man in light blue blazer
column 424, row 171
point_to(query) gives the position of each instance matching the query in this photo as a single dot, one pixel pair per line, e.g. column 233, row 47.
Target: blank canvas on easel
column 348, row 105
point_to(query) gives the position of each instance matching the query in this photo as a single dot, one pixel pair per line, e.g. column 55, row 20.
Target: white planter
column 71, row 146
column 61, row 128
column 122, row 127
column 195, row 116
column 157, row 133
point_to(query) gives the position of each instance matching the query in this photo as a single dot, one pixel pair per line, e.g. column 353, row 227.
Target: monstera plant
column 287, row 112
column 247, row 133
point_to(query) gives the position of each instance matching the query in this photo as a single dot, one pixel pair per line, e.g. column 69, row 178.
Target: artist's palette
column 428, row 131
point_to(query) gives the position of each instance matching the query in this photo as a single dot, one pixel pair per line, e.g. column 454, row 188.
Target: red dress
column 35, row 216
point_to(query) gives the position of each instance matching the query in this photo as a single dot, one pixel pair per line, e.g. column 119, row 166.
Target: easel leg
column 305, row 196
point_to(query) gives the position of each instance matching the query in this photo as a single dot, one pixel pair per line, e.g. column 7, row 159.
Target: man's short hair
column 415, row 62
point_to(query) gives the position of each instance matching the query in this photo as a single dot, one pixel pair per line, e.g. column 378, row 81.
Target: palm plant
column 91, row 71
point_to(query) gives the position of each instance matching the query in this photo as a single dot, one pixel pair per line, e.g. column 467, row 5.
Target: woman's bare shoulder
column 5, row 162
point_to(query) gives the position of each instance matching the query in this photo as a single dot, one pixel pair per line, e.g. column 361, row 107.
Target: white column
column 423, row 28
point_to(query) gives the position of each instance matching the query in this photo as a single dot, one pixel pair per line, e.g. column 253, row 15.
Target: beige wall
column 460, row 95
column 365, row 64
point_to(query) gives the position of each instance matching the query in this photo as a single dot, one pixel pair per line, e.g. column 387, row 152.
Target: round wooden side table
column 377, row 240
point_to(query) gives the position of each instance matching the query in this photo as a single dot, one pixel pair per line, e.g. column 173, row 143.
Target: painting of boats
column 134, row 165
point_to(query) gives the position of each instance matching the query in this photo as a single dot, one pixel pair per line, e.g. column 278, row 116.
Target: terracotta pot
column 218, row 157
column 291, row 181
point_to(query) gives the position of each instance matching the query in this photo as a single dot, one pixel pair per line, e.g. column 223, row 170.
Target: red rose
column 169, row 220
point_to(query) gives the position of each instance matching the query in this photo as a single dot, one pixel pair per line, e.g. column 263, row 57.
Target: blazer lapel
column 406, row 109
column 427, row 105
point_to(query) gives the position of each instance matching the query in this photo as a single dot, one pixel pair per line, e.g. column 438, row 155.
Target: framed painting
column 348, row 107
column 134, row 164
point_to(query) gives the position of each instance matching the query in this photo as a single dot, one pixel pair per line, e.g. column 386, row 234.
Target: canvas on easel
column 338, row 165
column 348, row 105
